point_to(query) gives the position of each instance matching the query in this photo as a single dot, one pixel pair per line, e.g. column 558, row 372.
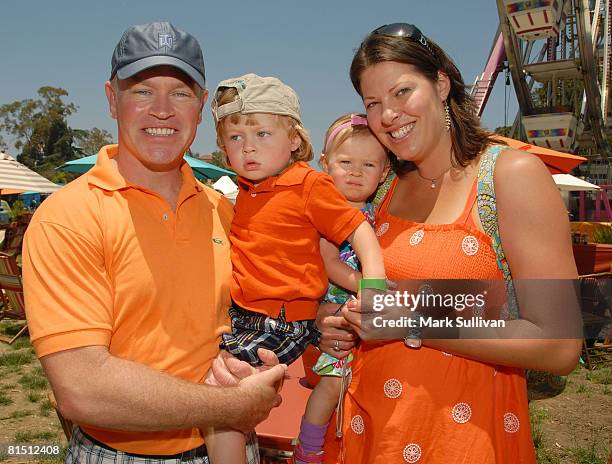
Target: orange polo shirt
column 106, row 262
column 275, row 240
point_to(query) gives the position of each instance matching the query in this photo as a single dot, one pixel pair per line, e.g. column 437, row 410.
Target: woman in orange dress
column 449, row 400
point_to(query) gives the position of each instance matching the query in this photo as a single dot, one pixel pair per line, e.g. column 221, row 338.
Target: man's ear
column 111, row 97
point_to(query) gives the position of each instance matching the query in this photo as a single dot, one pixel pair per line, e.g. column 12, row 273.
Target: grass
column 34, row 380
column 5, row 400
column 45, row 408
column 7, row 387
column 19, row 414
column 16, row 358
column 537, row 417
column 595, row 452
column 33, row 437
column 582, row 388
column 33, row 396
column 543, row 455
column 20, row 343
column 602, row 376
column 10, row 328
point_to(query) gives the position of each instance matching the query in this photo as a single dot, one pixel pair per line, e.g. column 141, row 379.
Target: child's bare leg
column 321, row 405
column 225, row 446
column 323, row 400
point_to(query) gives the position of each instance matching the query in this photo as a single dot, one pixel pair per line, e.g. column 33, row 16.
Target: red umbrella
column 556, row 161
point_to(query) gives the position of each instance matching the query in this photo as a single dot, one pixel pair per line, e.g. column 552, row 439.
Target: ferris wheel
column 558, row 54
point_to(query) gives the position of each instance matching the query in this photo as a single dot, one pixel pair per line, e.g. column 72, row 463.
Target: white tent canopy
column 569, row 183
column 16, row 178
column 225, row 185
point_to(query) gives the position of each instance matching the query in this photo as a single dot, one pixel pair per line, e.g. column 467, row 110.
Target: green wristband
column 378, row 284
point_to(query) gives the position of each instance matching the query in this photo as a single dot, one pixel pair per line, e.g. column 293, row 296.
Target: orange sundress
column 425, row 405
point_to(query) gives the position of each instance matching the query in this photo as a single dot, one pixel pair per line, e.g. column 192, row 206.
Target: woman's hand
column 337, row 338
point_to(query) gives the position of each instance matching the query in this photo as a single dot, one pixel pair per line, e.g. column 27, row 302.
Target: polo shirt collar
column 106, row 176
column 292, row 175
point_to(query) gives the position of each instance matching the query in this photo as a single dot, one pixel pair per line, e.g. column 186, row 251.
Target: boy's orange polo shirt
column 275, row 240
column 109, row 263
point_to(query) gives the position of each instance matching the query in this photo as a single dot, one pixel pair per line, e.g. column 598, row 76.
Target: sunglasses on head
column 404, row 30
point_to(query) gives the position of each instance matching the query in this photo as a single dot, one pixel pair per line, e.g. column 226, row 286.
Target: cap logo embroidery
column 165, row 40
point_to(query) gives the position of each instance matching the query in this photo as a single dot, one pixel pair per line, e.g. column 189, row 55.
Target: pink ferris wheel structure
column 559, row 56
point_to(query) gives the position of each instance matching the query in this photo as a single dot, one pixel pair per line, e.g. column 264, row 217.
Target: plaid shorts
column 250, row 330
column 85, row 450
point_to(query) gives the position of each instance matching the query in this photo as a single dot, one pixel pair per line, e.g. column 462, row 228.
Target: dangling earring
column 447, row 117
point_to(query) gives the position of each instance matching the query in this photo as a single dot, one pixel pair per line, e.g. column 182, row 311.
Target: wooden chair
column 596, row 302
column 11, row 294
column 13, row 238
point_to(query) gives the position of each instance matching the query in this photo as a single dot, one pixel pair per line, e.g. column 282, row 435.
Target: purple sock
column 312, row 436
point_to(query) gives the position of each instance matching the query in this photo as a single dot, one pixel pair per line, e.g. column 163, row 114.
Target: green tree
column 40, row 129
column 217, row 159
column 89, row 142
column 504, row 131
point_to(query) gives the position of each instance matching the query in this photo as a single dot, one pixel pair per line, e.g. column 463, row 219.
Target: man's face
column 157, row 113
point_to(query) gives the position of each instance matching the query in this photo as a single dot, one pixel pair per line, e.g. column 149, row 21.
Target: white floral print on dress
column 417, row 237
column 357, row 424
column 469, row 245
column 382, row 230
column 511, row 423
column 393, row 388
column 412, row 453
column 462, row 413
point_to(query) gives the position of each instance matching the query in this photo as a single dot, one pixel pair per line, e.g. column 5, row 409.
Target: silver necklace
column 433, row 181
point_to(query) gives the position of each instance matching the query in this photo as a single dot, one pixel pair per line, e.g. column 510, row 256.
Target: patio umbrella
column 569, row 183
column 201, row 169
column 16, row 178
column 556, row 161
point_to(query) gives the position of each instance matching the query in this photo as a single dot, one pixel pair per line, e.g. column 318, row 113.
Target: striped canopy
column 16, row 178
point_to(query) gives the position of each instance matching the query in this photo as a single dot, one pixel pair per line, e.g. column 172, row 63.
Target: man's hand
column 337, row 338
column 256, row 395
column 227, row 370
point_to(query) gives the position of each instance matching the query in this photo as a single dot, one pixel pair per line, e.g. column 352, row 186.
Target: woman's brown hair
column 468, row 138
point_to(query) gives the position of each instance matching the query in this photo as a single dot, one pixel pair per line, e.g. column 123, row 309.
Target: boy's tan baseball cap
column 257, row 94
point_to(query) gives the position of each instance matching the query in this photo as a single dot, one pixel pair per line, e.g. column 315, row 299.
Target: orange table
column 283, row 424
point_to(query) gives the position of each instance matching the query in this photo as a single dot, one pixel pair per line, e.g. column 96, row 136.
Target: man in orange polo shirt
column 126, row 274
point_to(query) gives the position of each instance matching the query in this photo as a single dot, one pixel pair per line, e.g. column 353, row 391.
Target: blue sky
column 309, row 45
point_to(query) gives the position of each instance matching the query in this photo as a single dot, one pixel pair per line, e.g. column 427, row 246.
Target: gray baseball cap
column 157, row 44
column 257, row 94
